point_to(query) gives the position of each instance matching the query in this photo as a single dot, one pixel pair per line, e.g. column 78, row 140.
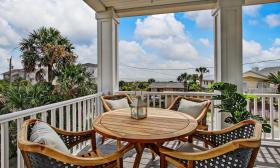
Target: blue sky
column 181, row 40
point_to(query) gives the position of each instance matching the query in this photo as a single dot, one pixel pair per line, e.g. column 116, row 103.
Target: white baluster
column 84, row 117
column 271, row 114
column 154, row 100
column 255, row 106
column 53, row 117
column 263, row 113
column 5, row 145
column 165, row 101
column 20, row 162
column 148, row 100
column 159, row 101
column 44, row 116
column 212, row 114
column 74, row 116
column 61, row 118
column 68, row 116
column 278, row 110
column 79, row 116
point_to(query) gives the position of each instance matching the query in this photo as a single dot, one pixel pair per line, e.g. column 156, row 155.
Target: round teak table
column 160, row 126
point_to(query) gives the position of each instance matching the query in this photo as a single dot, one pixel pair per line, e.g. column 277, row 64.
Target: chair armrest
column 211, row 153
column 242, row 130
column 73, row 138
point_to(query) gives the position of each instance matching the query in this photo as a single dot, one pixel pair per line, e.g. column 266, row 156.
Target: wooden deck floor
column 269, row 155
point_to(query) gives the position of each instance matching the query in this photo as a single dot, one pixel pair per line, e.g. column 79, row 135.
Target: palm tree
column 46, row 47
column 75, row 81
column 201, row 71
column 151, row 80
column 275, row 79
column 184, row 77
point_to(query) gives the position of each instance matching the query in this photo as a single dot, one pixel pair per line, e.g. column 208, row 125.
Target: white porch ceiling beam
column 97, row 5
column 140, row 8
column 256, row 2
column 168, row 8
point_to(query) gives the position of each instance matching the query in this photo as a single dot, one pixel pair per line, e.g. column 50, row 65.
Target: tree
column 151, row 80
column 75, row 81
column 275, row 79
column 184, row 77
column 46, row 48
column 121, row 84
column 201, row 71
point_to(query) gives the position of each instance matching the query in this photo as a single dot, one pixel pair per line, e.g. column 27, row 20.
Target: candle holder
column 139, row 108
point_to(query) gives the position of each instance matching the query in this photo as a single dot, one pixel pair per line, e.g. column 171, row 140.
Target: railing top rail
column 194, row 93
column 36, row 110
column 263, row 94
column 169, row 93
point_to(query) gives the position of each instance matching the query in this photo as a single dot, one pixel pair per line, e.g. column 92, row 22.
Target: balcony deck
column 268, row 157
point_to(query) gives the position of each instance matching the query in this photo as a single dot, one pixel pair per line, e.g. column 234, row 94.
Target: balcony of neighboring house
column 78, row 114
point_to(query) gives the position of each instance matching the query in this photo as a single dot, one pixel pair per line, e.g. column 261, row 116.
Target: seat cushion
column 190, row 147
column 42, row 133
column 118, row 104
column 191, row 108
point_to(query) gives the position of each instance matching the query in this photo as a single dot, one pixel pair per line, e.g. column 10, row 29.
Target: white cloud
column 253, row 52
column 252, row 10
column 73, row 18
column 164, row 25
column 161, row 43
column 205, row 42
column 273, row 20
column 164, row 36
column 251, row 48
column 87, row 52
column 8, row 36
column 277, row 42
column 203, row 19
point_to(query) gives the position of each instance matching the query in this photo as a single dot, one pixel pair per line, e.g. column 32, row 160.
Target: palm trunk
column 278, row 89
column 50, row 74
column 200, row 80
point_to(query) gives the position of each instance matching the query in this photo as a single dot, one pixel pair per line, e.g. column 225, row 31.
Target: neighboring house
column 15, row 74
column 256, row 81
column 167, row 86
column 207, row 81
column 92, row 69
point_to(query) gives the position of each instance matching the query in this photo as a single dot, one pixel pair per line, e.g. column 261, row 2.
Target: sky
column 173, row 41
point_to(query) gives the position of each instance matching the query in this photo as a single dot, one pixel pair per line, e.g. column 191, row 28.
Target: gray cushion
column 42, row 133
column 190, row 147
column 118, row 104
column 191, row 108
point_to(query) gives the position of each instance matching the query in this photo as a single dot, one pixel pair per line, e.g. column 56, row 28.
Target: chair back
column 236, row 146
column 113, row 97
column 38, row 155
column 201, row 119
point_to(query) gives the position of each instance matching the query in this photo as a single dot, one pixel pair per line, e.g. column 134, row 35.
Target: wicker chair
column 37, row 155
column 201, row 119
column 113, row 97
column 234, row 147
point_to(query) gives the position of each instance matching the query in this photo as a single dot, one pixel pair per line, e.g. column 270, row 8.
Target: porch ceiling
column 126, row 8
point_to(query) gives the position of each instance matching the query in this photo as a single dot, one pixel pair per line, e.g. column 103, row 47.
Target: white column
column 228, row 45
column 107, row 46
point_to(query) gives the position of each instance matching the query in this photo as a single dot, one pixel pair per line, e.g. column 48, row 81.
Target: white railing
column 164, row 100
column 71, row 115
column 77, row 115
column 267, row 106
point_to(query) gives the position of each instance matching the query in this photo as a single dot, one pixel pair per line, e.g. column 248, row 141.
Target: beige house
column 256, row 81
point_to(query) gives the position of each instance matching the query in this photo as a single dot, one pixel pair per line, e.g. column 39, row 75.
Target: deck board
column 268, row 157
